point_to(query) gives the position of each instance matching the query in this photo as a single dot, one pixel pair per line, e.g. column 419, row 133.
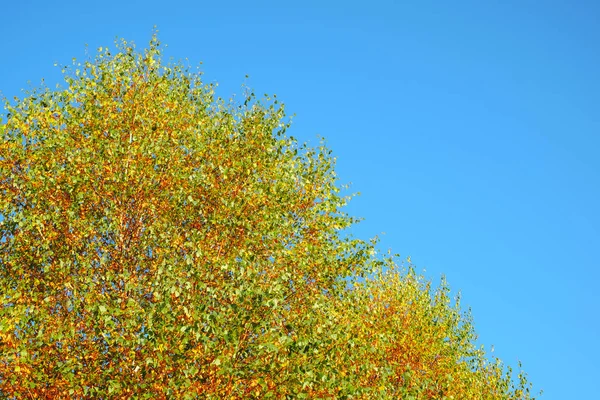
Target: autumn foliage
column 158, row 242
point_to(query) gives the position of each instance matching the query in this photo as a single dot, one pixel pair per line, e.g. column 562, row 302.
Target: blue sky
column 470, row 128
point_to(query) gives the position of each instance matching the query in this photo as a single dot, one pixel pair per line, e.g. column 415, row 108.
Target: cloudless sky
column 471, row 129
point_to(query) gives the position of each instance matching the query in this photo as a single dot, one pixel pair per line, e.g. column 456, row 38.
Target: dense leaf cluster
column 158, row 242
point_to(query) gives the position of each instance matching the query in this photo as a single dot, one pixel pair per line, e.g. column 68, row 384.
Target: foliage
column 158, row 242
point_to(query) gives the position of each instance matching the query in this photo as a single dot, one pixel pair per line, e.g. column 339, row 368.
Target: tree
column 158, row 242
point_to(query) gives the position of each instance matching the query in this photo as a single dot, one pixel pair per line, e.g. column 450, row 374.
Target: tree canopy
column 159, row 242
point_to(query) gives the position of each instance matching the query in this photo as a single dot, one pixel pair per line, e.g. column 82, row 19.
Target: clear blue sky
column 471, row 128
